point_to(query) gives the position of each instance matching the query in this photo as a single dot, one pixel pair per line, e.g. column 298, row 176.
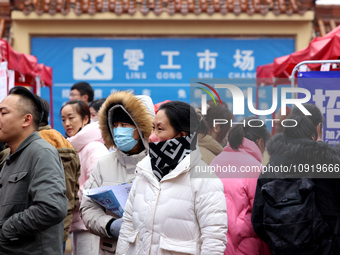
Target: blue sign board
column 325, row 92
column 159, row 67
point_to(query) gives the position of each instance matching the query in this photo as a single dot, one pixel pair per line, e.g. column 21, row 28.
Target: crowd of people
column 174, row 206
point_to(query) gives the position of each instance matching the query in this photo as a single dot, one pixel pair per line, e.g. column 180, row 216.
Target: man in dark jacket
column 32, row 185
column 304, row 156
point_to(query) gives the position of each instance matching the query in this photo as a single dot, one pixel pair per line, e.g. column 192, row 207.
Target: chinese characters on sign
column 159, row 67
column 207, row 61
column 328, row 101
column 245, row 61
column 326, row 96
column 92, row 60
column 169, row 75
column 134, row 61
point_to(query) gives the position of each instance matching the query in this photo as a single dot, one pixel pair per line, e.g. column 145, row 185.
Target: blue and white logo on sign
column 92, row 63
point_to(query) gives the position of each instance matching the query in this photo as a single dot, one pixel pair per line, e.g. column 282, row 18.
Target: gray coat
column 32, row 200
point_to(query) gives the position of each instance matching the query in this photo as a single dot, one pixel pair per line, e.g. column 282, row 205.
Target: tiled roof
column 158, row 7
column 327, row 17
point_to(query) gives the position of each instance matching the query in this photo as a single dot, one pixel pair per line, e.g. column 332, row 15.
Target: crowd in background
column 172, row 208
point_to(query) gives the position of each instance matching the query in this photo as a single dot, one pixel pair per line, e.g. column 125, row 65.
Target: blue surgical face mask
column 123, row 137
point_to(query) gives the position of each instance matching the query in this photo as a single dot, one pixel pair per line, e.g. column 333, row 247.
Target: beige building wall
column 111, row 25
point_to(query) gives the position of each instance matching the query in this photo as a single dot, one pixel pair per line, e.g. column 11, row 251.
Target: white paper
column 111, row 197
column 11, row 78
column 325, row 67
column 3, row 80
column 303, row 68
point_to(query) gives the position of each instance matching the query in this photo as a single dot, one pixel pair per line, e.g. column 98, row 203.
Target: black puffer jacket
column 292, row 152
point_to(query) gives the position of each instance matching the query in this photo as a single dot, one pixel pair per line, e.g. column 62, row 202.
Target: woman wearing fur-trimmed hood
column 126, row 123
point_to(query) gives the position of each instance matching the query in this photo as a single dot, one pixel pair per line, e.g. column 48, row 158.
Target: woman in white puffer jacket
column 171, row 209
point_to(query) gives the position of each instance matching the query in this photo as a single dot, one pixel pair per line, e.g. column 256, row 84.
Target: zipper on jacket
column 153, row 220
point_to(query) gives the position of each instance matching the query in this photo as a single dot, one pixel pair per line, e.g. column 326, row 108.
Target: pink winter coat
column 239, row 194
column 90, row 146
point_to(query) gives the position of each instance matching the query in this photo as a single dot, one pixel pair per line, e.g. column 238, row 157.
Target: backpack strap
column 336, row 231
column 337, row 224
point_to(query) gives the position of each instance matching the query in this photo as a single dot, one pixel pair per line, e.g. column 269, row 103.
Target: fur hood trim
column 139, row 108
column 304, row 149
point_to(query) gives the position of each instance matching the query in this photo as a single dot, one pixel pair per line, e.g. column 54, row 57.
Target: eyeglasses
column 74, row 95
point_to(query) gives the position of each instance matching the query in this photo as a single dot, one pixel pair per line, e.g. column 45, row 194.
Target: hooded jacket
column 287, row 151
column 90, row 146
column 117, row 167
column 239, row 194
column 182, row 213
column 71, row 164
column 209, row 147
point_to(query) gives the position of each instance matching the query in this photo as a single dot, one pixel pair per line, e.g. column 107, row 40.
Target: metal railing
column 292, row 76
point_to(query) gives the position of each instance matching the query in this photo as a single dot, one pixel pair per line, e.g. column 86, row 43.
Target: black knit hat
column 119, row 115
